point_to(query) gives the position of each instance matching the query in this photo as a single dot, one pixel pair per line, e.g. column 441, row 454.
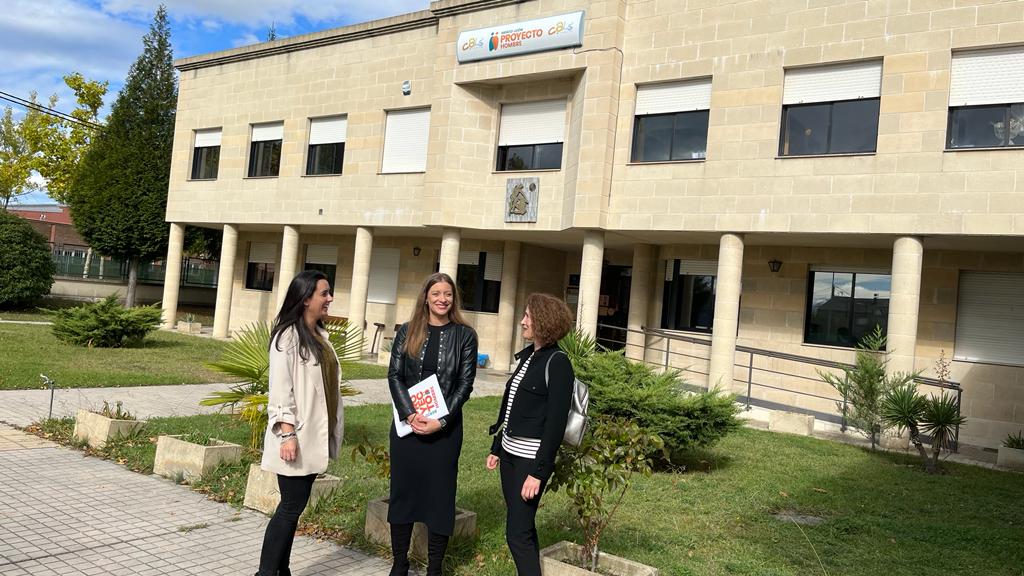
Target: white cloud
column 246, row 40
column 261, row 13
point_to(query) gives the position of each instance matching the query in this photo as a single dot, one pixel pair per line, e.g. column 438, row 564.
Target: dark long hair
column 302, row 287
column 416, row 332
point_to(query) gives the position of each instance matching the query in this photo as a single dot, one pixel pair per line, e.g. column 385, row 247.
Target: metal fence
column 773, row 380
column 73, row 261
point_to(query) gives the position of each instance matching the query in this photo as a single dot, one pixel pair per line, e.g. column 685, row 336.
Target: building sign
column 521, row 199
column 549, row 33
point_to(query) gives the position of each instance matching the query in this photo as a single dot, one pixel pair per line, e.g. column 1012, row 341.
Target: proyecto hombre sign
column 538, row 35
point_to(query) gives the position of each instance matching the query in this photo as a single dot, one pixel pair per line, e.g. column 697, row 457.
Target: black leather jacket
column 456, row 369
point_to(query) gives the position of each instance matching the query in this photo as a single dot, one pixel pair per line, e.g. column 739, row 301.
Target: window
column 831, row 109
column 689, row 295
column 206, row 154
column 259, row 274
column 845, row 306
column 324, row 259
column 326, row 145
column 479, row 280
column 671, row 121
column 986, row 99
column 530, row 136
column 990, row 318
column 383, row 283
column 406, row 133
column 265, row 150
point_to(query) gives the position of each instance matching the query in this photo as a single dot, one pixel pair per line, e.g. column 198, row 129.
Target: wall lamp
column 415, row 250
column 774, row 265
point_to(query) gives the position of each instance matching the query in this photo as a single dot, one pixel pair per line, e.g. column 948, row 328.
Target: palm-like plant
column 902, row 409
column 577, row 344
column 247, row 357
column 941, row 418
column 905, row 408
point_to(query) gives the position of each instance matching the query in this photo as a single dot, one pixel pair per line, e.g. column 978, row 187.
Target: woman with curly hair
column 531, row 423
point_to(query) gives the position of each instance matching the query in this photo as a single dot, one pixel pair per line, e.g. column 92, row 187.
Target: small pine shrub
column 658, row 403
column 105, row 324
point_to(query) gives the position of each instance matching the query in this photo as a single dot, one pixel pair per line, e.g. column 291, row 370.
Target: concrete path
column 67, row 514
column 23, row 407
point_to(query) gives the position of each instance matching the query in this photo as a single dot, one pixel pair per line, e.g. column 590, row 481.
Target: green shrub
column 1016, row 442
column 658, row 403
column 105, row 324
column 26, row 267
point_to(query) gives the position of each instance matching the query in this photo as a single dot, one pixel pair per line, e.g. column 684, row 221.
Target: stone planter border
column 378, row 530
column 96, row 430
column 552, row 560
column 1012, row 458
column 262, row 493
column 189, row 327
column 175, row 456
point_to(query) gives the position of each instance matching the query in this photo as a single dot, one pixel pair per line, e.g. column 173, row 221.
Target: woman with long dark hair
column 531, row 424
column 424, row 465
column 305, row 414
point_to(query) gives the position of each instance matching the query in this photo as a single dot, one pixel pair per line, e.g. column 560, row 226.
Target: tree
column 26, row 268
column 62, row 143
column 118, row 197
column 19, row 151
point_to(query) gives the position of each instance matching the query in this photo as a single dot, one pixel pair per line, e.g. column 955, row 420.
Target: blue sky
column 42, row 40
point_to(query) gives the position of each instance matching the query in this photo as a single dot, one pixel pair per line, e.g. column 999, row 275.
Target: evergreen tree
column 119, row 196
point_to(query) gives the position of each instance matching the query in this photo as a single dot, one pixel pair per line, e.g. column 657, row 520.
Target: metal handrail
column 750, row 366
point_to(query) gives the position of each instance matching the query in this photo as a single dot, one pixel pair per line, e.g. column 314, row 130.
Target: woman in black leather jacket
column 425, row 464
column 531, row 424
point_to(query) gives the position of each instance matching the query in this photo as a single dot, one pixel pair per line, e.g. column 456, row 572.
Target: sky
column 42, row 40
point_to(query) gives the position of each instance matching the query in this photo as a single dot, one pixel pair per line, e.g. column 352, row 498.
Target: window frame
column 198, row 155
column 503, row 157
column 254, row 156
column 809, row 298
column 339, row 162
column 481, row 291
column 1007, row 106
column 674, row 289
column 783, row 132
column 675, row 123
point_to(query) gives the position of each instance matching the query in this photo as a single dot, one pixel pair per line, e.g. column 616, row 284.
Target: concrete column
column 904, row 303
column 360, row 278
column 172, row 274
column 727, row 311
column 225, row 281
column 590, row 281
column 507, row 305
column 289, row 260
column 639, row 296
column 449, row 262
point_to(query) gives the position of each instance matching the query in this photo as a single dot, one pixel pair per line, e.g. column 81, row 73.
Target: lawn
column 881, row 514
column 26, row 351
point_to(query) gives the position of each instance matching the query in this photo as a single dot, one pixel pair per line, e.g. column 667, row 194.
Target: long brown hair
column 416, row 332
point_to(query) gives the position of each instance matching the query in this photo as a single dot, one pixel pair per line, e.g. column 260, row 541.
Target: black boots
column 401, row 537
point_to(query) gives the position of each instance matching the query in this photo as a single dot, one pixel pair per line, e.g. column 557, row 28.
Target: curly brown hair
column 552, row 318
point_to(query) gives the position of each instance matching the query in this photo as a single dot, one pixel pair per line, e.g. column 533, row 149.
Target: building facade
column 776, row 176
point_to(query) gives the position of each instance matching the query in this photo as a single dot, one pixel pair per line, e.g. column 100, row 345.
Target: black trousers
column 520, row 527
column 277, row 541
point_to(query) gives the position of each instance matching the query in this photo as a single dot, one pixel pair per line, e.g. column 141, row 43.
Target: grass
column 163, row 358
column 881, row 514
column 35, row 312
column 363, row 371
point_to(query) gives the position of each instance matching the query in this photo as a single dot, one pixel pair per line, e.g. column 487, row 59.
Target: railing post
column 750, row 376
column 956, row 434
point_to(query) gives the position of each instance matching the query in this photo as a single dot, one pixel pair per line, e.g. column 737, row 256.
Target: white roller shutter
column 262, row 252
column 469, row 258
column 990, row 318
column 406, row 133
column 673, row 97
column 492, row 267
column 698, row 267
column 540, row 122
column 383, row 283
column 321, row 254
column 265, row 132
column 328, row 130
column 987, row 77
column 670, row 270
column 208, row 138
column 833, row 82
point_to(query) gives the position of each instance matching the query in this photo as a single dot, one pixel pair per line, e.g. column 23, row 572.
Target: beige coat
column 297, row 397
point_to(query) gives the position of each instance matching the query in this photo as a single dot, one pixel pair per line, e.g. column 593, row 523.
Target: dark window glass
column 329, row 270
column 688, row 302
column 843, row 307
column 829, row 127
column 265, row 158
column 530, row 157
column 259, row 276
column 325, row 158
column 677, row 136
column 986, row 126
column 204, row 162
column 477, row 293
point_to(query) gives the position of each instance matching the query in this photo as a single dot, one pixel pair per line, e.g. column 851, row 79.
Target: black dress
column 424, row 469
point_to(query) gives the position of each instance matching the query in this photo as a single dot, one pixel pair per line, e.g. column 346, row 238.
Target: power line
column 46, row 110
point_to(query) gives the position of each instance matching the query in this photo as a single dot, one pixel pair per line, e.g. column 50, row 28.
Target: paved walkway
column 66, row 514
column 23, row 407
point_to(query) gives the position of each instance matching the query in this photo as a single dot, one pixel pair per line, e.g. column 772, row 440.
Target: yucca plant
column 247, row 356
column 902, row 409
column 906, row 408
column 577, row 344
column 1015, row 442
column 941, row 418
